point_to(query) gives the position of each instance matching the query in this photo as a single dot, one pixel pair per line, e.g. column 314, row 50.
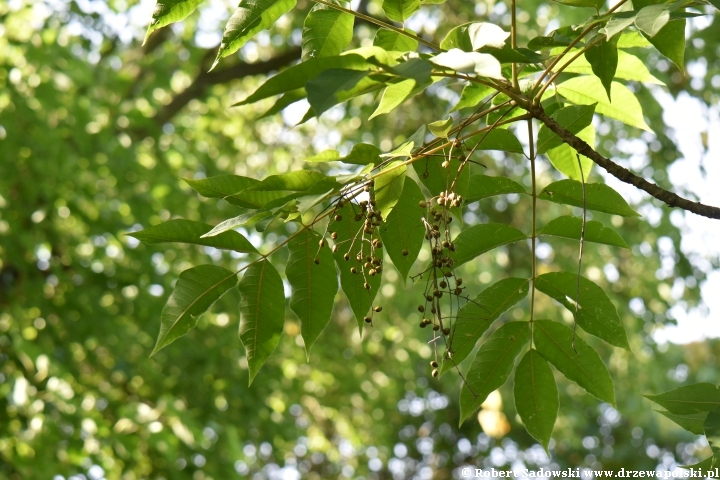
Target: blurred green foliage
column 90, row 149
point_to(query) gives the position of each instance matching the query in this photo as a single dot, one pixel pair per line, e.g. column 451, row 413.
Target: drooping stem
column 513, row 43
column 380, row 23
column 533, row 234
column 580, row 254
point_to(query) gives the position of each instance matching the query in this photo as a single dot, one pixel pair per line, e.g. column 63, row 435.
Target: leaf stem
column 380, row 23
column 533, row 234
column 580, row 254
column 513, row 43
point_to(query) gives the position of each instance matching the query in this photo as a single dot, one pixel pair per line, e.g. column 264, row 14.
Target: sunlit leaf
column 629, row 67
column 195, row 291
column 262, row 313
column 396, row 94
column 326, row 32
column 603, row 58
column 573, row 118
column 565, row 157
column 497, row 139
column 170, row 11
column 478, row 239
column 472, row 95
column 395, row 42
column 400, row 10
column 482, row 64
column 389, row 186
column 322, row 91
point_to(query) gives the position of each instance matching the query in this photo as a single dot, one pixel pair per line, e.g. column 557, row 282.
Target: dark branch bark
column 205, row 80
column 671, row 199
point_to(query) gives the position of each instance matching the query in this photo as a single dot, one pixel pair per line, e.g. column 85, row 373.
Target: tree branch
column 621, row 173
column 205, row 80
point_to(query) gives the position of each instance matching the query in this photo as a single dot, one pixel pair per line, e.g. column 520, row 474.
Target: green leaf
column 570, row 227
column 632, row 39
column 629, row 67
column 478, row 239
column 250, row 17
column 284, row 101
column 587, row 90
column 596, row 313
column 389, row 186
column 692, row 422
column 483, row 186
column 297, row 181
column 670, row 41
column 471, row 96
column 596, row 4
column 496, row 139
column 536, row 396
column 400, row 10
column 195, row 291
column 565, row 157
column 711, row 427
column 492, row 365
column 458, row 37
column 262, row 313
column 598, row 197
column 651, row 19
column 297, row 76
column 603, row 58
column 362, row 154
column 403, row 230
column 619, row 22
column 396, row 94
column 582, row 364
column 486, row 34
column 322, row 91
column 482, row 64
column 170, row 11
column 395, row 42
column 188, row 231
column 441, row 128
column 314, row 285
column 476, row 316
column 706, row 464
column 249, row 218
column 223, row 186
column 573, row 118
column 438, row 179
column 349, row 241
column 326, row 32
column 695, row 398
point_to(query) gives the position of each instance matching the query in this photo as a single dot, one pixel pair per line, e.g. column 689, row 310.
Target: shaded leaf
column 458, row 37
column 670, row 41
column 361, row 154
column 314, row 285
column 389, row 186
column 692, row 422
column 596, row 4
column 188, row 231
column 478, row 239
column 170, row 11
column 326, row 32
column 596, row 313
column 476, row 316
column 284, row 101
column 250, row 17
column 587, row 90
column 262, row 313
column 573, row 118
column 471, row 96
column 651, row 19
column 195, row 291
column 395, row 42
column 582, row 365
column 492, row 365
column 396, row 94
column 603, row 58
column 536, row 396
column 711, row 427
column 689, row 399
column 570, row 227
column 403, row 230
column 496, row 139
column 565, row 157
column 483, row 186
column 322, row 91
column 598, row 197
column 349, row 241
column 223, row 186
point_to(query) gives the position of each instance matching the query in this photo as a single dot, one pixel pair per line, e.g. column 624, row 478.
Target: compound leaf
column 536, row 396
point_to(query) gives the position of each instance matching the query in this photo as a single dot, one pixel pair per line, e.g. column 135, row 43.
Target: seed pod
column 426, row 174
column 366, row 286
column 334, row 248
column 338, row 217
column 372, row 202
column 452, row 247
column 423, row 204
column 433, row 310
column 317, row 261
column 378, row 309
column 458, row 281
column 443, row 284
column 368, row 320
column 434, row 364
column 446, row 331
column 445, row 244
column 346, row 256
column 353, row 270
column 436, row 292
column 372, row 272
column 321, row 242
column 429, row 298
column 421, row 308
column 423, row 324
column 435, row 372
column 341, row 203
column 458, row 291
column 367, row 265
column 378, row 269
column 426, row 321
column 436, row 327
column 445, row 164
column 405, row 252
column 333, row 235
column 358, row 217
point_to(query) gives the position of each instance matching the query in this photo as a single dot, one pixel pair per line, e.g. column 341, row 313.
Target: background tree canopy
column 97, row 133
